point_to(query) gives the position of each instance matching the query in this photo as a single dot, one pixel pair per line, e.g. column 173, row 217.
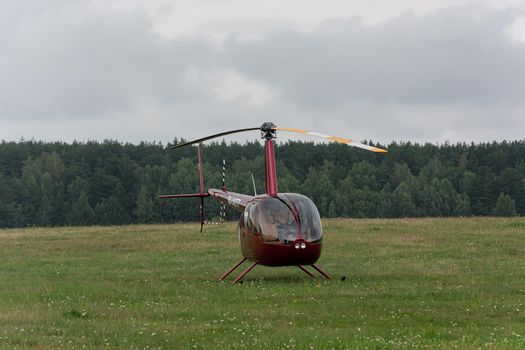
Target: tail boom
column 185, row 195
column 237, row 200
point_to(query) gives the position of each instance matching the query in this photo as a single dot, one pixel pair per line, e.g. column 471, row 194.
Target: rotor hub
column 268, row 131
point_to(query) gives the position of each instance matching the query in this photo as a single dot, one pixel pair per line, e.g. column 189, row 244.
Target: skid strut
column 306, row 271
column 233, row 268
column 227, row 273
column 327, row 276
column 317, row 268
column 244, row 272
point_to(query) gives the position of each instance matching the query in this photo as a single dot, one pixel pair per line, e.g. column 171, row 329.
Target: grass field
column 415, row 283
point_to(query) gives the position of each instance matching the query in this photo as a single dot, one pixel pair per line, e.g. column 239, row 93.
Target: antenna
column 222, row 212
column 224, row 175
column 254, row 189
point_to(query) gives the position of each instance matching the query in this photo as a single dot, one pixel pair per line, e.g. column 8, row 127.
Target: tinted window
column 311, row 228
column 274, row 218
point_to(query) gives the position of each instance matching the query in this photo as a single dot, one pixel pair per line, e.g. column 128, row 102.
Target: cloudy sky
column 131, row 70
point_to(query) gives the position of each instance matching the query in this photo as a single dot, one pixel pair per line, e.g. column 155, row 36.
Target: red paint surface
column 276, row 254
column 201, row 180
column 271, row 177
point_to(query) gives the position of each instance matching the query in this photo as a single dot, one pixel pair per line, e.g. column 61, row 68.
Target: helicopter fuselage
column 275, row 229
column 281, row 230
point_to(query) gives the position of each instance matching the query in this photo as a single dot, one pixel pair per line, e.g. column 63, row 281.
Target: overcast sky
column 130, row 70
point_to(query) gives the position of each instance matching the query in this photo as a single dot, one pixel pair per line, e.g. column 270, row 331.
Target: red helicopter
column 275, row 229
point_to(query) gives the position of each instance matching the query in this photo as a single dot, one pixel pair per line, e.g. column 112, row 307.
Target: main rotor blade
column 333, row 138
column 212, row 137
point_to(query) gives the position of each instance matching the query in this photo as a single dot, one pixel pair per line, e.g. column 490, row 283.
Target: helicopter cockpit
column 285, row 218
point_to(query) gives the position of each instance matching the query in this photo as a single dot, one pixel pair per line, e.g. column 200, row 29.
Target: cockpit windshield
column 280, row 218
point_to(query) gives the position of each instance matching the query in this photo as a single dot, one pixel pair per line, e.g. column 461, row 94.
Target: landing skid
column 253, row 264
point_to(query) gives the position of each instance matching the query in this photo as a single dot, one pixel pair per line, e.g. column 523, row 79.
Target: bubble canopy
column 285, row 218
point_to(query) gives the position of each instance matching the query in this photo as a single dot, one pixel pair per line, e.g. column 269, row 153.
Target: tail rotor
column 201, row 193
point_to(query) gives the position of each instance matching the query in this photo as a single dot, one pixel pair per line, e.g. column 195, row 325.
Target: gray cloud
column 452, row 74
column 70, row 63
column 450, row 56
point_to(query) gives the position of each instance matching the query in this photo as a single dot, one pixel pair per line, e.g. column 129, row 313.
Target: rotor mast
column 268, row 133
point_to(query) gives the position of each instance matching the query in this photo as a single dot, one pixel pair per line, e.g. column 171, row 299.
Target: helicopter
column 275, row 229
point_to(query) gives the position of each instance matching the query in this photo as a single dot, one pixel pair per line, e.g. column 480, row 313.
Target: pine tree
column 402, row 200
column 81, row 211
column 505, row 206
column 144, row 211
column 462, row 205
column 111, row 212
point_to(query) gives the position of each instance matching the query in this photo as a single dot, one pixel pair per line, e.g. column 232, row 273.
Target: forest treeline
column 49, row 184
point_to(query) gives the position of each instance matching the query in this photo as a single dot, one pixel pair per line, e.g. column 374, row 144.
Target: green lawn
column 414, row 283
